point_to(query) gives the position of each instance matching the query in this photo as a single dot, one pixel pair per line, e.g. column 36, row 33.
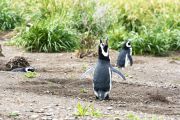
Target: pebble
column 34, row 116
column 130, row 76
column 40, row 111
column 48, row 114
column 46, row 118
column 122, row 105
column 31, row 110
column 116, row 118
column 69, row 108
column 70, row 118
column 109, row 108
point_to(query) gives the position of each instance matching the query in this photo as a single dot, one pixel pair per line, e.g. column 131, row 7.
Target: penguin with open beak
column 102, row 82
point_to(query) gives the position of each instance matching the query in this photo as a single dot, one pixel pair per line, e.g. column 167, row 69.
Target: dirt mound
column 17, row 62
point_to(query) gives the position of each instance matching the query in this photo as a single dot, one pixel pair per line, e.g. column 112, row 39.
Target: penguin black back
column 125, row 55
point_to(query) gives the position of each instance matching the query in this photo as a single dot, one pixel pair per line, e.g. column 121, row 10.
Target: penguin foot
column 107, row 97
column 97, row 98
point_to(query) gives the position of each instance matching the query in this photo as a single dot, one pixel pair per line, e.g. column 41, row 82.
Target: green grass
column 65, row 25
column 87, row 110
column 131, row 116
column 31, row 74
column 9, row 19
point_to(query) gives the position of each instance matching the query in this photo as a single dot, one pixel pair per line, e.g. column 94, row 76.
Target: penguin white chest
column 110, row 75
column 126, row 60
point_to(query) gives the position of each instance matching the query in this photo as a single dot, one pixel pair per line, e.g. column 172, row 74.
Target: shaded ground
column 152, row 87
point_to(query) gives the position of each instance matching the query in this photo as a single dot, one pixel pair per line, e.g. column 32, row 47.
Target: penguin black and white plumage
column 125, row 55
column 102, row 82
column 24, row 69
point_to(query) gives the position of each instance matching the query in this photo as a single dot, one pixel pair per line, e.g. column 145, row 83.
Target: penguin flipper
column 90, row 70
column 118, row 72
column 130, row 59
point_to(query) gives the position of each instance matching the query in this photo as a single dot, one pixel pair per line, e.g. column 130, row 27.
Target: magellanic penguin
column 125, row 55
column 24, row 69
column 102, row 82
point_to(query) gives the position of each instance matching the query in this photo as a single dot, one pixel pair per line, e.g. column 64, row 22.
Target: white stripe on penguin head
column 103, row 52
column 127, row 44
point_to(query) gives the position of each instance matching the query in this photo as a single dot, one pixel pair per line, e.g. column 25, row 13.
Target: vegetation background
column 67, row 25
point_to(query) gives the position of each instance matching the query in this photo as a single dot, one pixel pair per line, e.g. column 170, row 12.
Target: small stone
column 109, row 108
column 48, row 114
column 122, row 105
column 57, row 105
column 69, row 108
column 46, row 118
column 70, row 118
column 34, row 116
column 55, row 119
column 116, row 118
column 130, row 76
column 31, row 110
column 40, row 111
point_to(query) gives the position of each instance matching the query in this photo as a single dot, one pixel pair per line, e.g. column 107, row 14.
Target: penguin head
column 29, row 69
column 127, row 44
column 102, row 95
column 103, row 50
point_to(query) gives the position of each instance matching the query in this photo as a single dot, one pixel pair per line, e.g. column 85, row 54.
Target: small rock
column 55, row 119
column 70, row 118
column 48, row 114
column 116, row 118
column 109, row 108
column 40, row 111
column 130, row 76
column 46, row 118
column 31, row 110
column 122, row 105
column 69, row 108
column 57, row 105
column 34, row 116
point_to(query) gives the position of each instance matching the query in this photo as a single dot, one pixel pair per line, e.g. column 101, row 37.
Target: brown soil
column 152, row 85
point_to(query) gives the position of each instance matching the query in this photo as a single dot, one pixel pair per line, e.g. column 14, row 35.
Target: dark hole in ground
column 123, row 95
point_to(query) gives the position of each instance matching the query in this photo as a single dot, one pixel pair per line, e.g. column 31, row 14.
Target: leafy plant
column 30, row 74
column 83, row 90
column 131, row 116
column 14, row 114
column 46, row 36
column 81, row 110
column 87, row 111
column 9, row 19
column 94, row 112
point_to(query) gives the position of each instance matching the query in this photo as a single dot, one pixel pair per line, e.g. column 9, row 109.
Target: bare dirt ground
column 152, row 88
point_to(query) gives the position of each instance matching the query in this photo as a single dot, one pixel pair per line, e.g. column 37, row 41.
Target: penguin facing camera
column 24, row 69
column 102, row 82
column 125, row 55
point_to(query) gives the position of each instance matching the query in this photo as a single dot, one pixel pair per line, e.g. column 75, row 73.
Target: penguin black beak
column 100, row 99
column 100, row 40
column 107, row 41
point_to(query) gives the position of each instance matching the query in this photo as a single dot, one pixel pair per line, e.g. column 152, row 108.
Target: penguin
column 24, row 69
column 102, row 82
column 125, row 55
